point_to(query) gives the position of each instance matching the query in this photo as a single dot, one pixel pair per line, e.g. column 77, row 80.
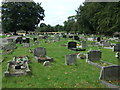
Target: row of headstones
column 107, row 73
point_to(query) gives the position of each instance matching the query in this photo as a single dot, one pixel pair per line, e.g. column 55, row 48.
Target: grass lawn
column 59, row 75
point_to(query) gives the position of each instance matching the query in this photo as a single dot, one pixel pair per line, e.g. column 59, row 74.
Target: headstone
column 110, row 73
column 34, row 39
column 57, row 38
column 19, row 40
column 84, row 44
column 76, row 38
column 40, row 52
column 98, row 39
column 70, row 59
column 106, row 44
column 72, row 45
column 116, row 48
column 47, row 63
column 94, row 55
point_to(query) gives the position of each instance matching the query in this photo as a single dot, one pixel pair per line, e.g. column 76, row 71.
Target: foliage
column 99, row 17
column 21, row 16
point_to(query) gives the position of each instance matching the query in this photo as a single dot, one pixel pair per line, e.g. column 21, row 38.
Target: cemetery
column 84, row 52
column 58, row 60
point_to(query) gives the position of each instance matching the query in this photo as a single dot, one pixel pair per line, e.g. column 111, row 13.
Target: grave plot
column 73, row 46
column 9, row 48
column 110, row 76
column 40, row 55
column 94, row 57
column 18, row 66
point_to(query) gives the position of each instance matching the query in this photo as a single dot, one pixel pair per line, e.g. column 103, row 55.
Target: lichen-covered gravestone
column 70, row 59
column 94, row 55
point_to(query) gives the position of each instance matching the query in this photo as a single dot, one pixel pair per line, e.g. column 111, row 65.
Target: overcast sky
column 57, row 11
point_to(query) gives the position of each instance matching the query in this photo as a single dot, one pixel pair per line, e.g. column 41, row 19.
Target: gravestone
column 70, row 59
column 34, row 39
column 106, row 44
column 19, row 40
column 84, row 44
column 72, row 45
column 98, row 39
column 26, row 42
column 76, row 38
column 116, row 48
column 110, row 73
column 40, row 52
column 57, row 38
column 94, row 55
column 64, row 36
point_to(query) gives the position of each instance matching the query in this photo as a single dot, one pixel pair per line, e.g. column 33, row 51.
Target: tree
column 21, row 16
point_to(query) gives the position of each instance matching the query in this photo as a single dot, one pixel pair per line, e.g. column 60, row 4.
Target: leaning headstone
column 70, row 59
column 40, row 52
column 84, row 45
column 116, row 48
column 94, row 55
column 72, row 45
column 47, row 63
column 110, row 73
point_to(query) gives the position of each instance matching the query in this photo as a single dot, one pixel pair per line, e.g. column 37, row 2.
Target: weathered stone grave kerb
column 17, row 67
column 94, row 57
column 40, row 55
column 9, row 48
column 70, row 59
column 110, row 74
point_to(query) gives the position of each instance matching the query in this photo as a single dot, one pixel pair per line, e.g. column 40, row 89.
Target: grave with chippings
column 40, row 55
column 18, row 66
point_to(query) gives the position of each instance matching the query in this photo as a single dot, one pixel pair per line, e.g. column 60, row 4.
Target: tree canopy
column 21, row 16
